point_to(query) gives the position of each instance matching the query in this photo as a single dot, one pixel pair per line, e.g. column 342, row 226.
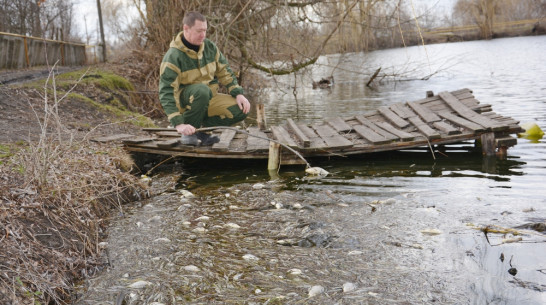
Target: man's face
column 197, row 33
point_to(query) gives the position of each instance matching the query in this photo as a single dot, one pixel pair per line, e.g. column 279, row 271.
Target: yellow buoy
column 532, row 131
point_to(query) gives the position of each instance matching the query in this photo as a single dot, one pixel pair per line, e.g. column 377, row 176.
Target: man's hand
column 243, row 103
column 185, row 129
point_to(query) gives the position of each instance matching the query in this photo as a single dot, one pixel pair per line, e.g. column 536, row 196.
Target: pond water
column 379, row 229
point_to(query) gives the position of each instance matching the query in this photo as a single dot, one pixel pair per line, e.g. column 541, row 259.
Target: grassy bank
column 57, row 188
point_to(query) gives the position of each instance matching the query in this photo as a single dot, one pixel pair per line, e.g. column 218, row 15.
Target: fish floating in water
column 317, row 171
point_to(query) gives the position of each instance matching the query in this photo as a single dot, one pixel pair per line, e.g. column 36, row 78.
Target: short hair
column 190, row 17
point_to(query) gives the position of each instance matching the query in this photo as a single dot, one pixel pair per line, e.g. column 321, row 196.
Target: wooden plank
column 339, row 124
column 391, row 116
column 424, row 112
column 137, row 140
column 456, row 105
column 254, row 143
column 112, row 138
column 445, row 127
column 387, row 135
column 469, row 114
column 316, row 141
column 368, row 134
column 168, row 134
column 283, row 136
column 299, row 134
column 225, row 139
column 461, row 121
column 402, row 110
column 424, row 128
column 331, row 137
column 167, row 143
column 404, row 136
column 506, row 141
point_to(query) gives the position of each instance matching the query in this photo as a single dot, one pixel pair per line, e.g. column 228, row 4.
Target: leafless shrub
column 54, row 196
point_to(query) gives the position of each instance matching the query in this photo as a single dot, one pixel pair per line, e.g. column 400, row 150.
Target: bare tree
column 49, row 19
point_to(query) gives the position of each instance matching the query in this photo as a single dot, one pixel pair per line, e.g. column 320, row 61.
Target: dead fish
column 316, row 290
column 317, row 171
column 511, row 240
column 232, row 225
column 348, row 287
column 294, row 271
column 140, row 284
column 186, row 194
column 202, row 218
column 250, row 257
column 191, row 268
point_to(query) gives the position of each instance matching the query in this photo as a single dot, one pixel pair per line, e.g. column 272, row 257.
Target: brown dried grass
column 55, row 195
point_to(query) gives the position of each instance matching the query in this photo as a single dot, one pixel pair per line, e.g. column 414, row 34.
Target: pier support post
column 260, row 116
column 273, row 162
column 488, row 144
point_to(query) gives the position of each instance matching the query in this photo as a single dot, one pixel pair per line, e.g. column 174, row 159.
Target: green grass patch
column 121, row 113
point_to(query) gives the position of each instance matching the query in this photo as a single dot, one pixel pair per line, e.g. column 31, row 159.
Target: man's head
column 195, row 28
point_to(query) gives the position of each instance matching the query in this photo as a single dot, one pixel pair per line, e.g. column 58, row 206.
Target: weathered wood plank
column 254, row 143
column 168, row 134
column 391, row 116
column 424, row 128
column 456, row 105
column 445, row 127
column 461, row 121
column 331, row 137
column 225, row 139
column 299, row 134
column 112, row 138
column 167, row 143
column 404, row 136
column 316, row 141
column 469, row 114
column 424, row 112
column 283, row 136
column 339, row 124
column 402, row 110
column 137, row 140
column 506, row 141
column 371, row 136
column 387, row 135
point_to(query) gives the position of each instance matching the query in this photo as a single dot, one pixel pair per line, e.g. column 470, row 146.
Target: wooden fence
column 18, row 51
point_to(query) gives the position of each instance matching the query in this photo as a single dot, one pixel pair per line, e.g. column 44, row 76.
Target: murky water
column 381, row 229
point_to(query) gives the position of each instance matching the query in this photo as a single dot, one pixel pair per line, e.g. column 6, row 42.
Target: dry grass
column 55, row 193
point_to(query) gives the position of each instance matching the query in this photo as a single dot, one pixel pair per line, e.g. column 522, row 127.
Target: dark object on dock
column 437, row 121
column 324, row 83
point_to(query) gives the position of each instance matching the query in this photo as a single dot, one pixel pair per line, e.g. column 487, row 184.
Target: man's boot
column 207, row 139
column 189, row 140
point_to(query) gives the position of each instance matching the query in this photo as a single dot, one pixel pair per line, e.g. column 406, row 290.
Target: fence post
column 26, row 52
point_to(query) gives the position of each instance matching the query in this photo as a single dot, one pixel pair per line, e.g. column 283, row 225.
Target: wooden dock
column 435, row 121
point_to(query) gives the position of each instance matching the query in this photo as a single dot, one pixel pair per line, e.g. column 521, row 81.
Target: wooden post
column 488, row 144
column 502, row 152
column 26, row 52
column 61, row 45
column 273, row 162
column 260, row 116
column 430, row 93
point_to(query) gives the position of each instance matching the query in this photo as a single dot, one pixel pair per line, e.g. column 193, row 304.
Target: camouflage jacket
column 182, row 66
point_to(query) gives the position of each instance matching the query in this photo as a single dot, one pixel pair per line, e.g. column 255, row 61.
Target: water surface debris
column 431, row 232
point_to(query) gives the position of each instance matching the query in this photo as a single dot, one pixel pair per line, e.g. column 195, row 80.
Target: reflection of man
column 188, row 84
